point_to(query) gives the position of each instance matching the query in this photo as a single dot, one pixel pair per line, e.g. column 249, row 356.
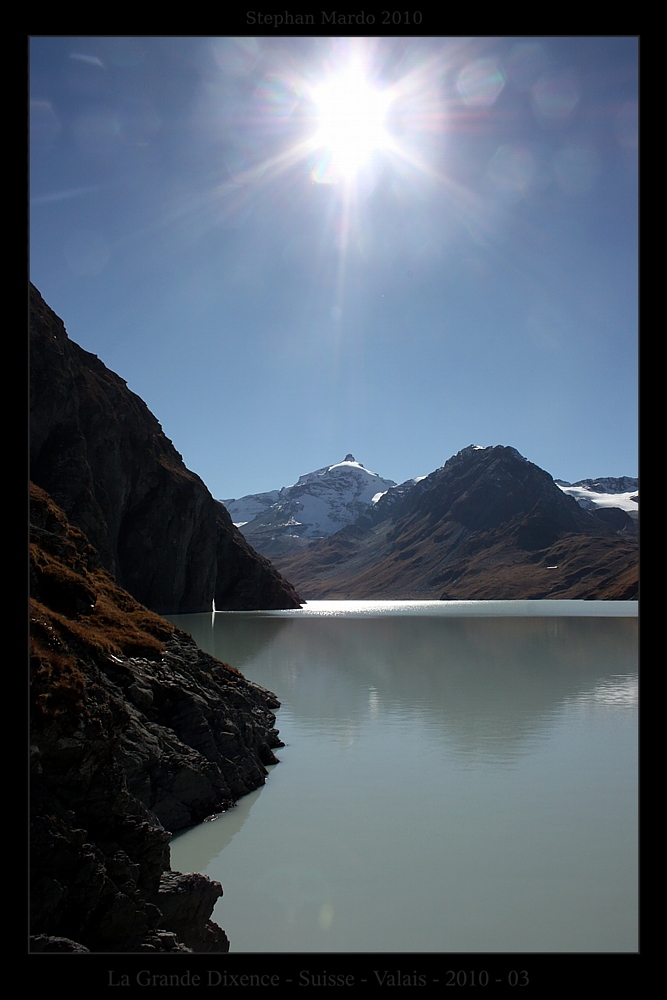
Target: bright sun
column 351, row 116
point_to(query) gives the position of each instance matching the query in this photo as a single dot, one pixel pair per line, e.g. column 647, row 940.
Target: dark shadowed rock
column 135, row 732
column 615, row 518
column 96, row 448
column 43, row 942
column 186, row 903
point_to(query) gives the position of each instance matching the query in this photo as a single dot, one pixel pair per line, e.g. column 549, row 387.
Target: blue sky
column 296, row 248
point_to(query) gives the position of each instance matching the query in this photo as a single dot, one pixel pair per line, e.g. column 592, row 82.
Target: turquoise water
column 457, row 777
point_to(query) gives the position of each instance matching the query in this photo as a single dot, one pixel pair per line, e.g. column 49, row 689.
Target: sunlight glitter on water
column 537, row 609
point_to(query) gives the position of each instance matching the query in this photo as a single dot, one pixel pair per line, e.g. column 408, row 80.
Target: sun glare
column 351, row 116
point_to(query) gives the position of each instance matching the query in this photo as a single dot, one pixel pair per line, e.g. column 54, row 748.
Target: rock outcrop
column 99, row 452
column 135, row 732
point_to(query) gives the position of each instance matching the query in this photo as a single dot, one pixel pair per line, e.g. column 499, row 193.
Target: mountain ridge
column 488, row 524
column 589, row 493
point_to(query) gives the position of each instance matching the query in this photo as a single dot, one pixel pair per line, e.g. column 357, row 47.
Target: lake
column 457, row 776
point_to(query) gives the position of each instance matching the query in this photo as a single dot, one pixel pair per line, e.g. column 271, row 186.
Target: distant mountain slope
column 488, row 525
column 96, row 448
column 318, row 505
column 609, row 484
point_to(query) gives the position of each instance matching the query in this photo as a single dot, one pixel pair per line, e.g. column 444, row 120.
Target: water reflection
column 485, row 686
column 449, row 783
column 228, row 637
column 210, row 838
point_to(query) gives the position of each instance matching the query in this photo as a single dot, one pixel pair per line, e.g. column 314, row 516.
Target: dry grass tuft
column 57, row 685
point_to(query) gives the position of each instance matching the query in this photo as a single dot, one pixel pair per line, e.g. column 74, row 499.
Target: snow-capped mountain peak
column 322, row 502
column 317, row 505
column 345, row 468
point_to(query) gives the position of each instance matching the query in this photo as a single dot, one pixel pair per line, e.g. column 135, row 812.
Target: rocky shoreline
column 135, row 734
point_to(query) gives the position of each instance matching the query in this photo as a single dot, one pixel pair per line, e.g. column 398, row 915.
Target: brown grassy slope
column 78, row 613
column 457, row 565
column 77, row 609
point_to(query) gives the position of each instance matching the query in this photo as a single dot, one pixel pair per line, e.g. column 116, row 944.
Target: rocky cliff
column 135, row 732
column 102, row 456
